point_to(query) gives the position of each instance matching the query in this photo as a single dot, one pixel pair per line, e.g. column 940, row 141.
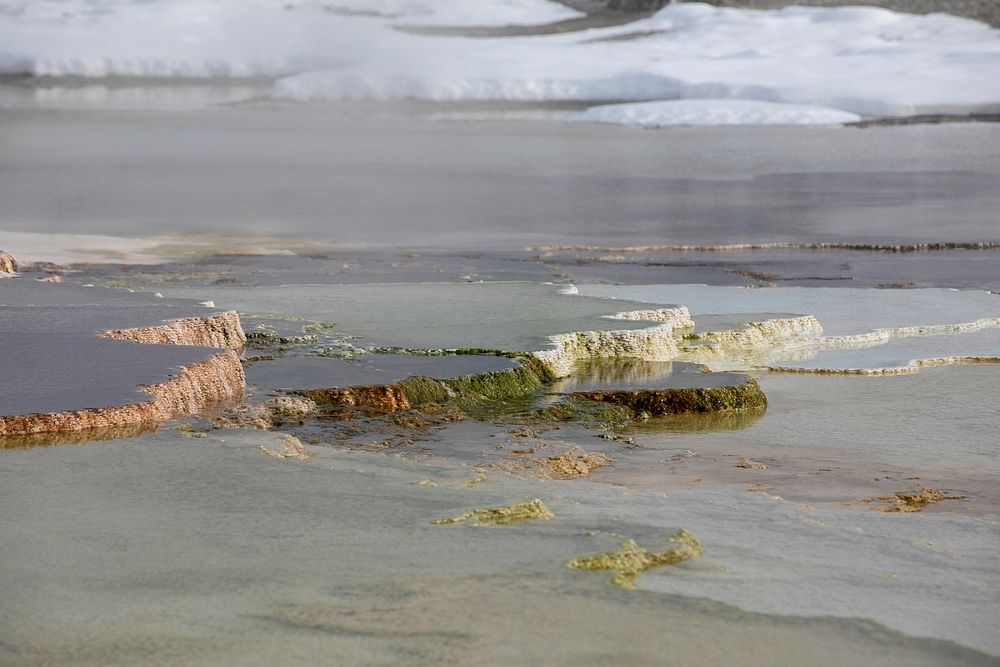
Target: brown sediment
column 383, row 397
column 911, row 501
column 218, row 330
column 533, row 510
column 747, row 396
column 7, row 263
column 196, row 388
column 632, row 560
column 751, row 465
column 268, row 414
column 574, row 462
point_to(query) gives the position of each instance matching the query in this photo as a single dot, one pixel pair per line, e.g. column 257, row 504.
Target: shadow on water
column 75, row 437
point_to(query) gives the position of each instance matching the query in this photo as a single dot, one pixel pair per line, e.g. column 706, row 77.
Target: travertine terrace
column 83, row 378
column 219, row 330
column 193, row 388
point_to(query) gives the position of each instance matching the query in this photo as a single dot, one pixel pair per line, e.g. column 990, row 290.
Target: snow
column 714, row 112
column 861, row 60
column 858, row 60
column 226, row 38
column 175, row 39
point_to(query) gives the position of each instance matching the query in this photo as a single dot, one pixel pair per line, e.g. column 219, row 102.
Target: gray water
column 53, row 357
column 375, row 176
column 179, row 551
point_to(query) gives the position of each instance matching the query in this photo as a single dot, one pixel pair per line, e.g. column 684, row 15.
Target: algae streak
column 632, row 560
column 911, row 501
column 533, row 510
column 469, row 391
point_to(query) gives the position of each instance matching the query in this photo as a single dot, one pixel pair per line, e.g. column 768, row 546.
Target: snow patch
column 859, row 60
column 715, row 112
column 862, row 61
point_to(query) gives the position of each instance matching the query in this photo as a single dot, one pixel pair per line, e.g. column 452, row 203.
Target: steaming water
column 805, row 543
column 171, row 550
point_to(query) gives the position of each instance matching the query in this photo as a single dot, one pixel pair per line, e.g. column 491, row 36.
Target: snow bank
column 176, row 39
column 226, row 38
column 858, row 60
column 714, row 112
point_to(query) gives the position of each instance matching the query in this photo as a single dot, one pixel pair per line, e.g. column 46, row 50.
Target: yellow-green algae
column 476, row 391
column 632, row 560
column 911, row 501
column 533, row 510
column 497, row 386
column 599, row 415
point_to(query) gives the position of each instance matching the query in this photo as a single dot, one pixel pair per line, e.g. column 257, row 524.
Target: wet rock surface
column 312, row 372
column 651, row 388
column 190, row 389
column 218, row 330
column 7, row 263
column 744, row 397
column 569, row 464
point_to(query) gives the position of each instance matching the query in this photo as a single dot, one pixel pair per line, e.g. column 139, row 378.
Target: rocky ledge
column 744, row 397
column 7, row 263
column 467, row 392
column 195, row 388
column 78, row 377
column 219, row 330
